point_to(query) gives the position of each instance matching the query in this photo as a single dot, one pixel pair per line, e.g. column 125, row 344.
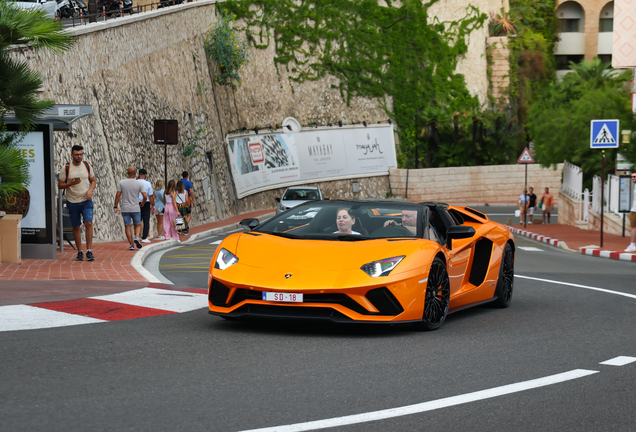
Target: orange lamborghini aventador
column 363, row 261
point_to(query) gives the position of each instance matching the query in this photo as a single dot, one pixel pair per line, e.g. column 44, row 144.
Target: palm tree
column 595, row 74
column 19, row 85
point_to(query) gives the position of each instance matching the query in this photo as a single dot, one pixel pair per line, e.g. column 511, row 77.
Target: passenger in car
column 409, row 221
column 344, row 222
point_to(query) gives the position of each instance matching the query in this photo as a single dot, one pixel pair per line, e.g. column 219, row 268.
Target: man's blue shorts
column 131, row 218
column 83, row 209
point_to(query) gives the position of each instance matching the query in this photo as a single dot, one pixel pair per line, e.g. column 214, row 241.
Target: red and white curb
column 139, row 303
column 623, row 256
column 541, row 238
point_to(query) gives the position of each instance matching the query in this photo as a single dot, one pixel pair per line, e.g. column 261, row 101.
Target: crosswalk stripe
column 175, row 301
column 25, row 317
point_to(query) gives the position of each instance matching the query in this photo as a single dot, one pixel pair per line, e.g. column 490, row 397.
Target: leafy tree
column 19, row 84
column 394, row 51
column 559, row 123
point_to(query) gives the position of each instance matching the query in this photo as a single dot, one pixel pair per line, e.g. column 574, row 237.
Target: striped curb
column 139, row 303
column 623, row 256
column 541, row 238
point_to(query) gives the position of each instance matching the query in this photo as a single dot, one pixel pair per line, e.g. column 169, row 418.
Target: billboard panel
column 262, row 162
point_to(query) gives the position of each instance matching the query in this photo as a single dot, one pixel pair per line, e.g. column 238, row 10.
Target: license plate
column 283, row 297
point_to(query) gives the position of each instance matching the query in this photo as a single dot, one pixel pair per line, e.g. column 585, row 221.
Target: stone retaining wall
column 483, row 184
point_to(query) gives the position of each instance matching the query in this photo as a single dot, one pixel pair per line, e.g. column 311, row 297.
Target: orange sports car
column 363, row 261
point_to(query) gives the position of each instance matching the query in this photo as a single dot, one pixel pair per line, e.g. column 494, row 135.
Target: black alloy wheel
column 437, row 297
column 506, row 280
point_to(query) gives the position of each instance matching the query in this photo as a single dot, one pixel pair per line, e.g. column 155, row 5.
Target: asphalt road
column 533, row 366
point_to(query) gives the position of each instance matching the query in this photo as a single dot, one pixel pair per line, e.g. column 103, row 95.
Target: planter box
column 11, row 238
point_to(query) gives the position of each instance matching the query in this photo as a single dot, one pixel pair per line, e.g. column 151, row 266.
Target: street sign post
column 525, row 158
column 603, row 134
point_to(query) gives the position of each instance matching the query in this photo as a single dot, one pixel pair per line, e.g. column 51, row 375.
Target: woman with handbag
column 159, row 208
column 170, row 212
column 183, row 202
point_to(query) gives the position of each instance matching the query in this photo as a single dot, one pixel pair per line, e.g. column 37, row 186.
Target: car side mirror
column 277, row 199
column 459, row 232
column 249, row 224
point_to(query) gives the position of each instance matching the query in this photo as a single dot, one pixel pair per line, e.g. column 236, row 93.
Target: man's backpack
column 67, row 168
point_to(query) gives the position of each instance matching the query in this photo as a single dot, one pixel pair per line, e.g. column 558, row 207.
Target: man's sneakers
column 145, row 240
column 138, row 242
column 186, row 232
column 160, row 238
column 132, row 247
column 631, row 248
column 89, row 256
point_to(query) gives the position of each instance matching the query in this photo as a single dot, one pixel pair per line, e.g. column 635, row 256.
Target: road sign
column 604, row 134
column 525, row 157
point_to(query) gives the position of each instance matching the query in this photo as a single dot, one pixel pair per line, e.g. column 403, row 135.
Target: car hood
column 272, row 252
column 293, row 203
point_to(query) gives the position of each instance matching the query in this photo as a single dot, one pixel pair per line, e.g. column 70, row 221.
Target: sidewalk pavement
column 115, row 269
column 578, row 240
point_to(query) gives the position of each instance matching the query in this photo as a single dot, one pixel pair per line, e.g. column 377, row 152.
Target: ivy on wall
column 224, row 46
column 395, row 51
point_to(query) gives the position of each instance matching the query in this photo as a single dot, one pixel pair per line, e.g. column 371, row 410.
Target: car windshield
column 347, row 221
column 301, row 194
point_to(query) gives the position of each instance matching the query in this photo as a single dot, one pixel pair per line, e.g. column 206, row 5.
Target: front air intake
column 384, row 301
column 218, row 293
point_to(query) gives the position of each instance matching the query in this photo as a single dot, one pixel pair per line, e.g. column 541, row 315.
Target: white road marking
column 174, row 301
column 217, row 242
column 578, row 286
column 24, row 317
column 429, row 406
column 619, row 361
column 529, row 248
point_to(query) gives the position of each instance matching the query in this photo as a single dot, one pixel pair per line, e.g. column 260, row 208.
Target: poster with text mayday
column 268, row 161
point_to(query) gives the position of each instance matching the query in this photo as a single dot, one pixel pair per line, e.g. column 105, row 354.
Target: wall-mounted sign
column 262, row 162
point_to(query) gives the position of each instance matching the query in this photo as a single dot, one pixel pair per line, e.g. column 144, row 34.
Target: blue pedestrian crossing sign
column 604, row 134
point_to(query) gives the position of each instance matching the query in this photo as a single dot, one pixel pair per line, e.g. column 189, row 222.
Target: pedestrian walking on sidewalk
column 183, row 204
column 187, row 184
column 548, row 204
column 632, row 219
column 128, row 191
column 171, row 211
column 78, row 180
column 522, row 205
column 147, row 205
column 532, row 202
column 159, row 207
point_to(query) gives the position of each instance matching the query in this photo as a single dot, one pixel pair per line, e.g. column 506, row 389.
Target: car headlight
column 225, row 259
column 381, row 267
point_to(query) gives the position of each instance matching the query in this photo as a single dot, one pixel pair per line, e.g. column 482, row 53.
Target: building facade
column 585, row 31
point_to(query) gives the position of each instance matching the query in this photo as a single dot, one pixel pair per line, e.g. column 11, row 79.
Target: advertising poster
column 262, row 162
column 32, row 149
